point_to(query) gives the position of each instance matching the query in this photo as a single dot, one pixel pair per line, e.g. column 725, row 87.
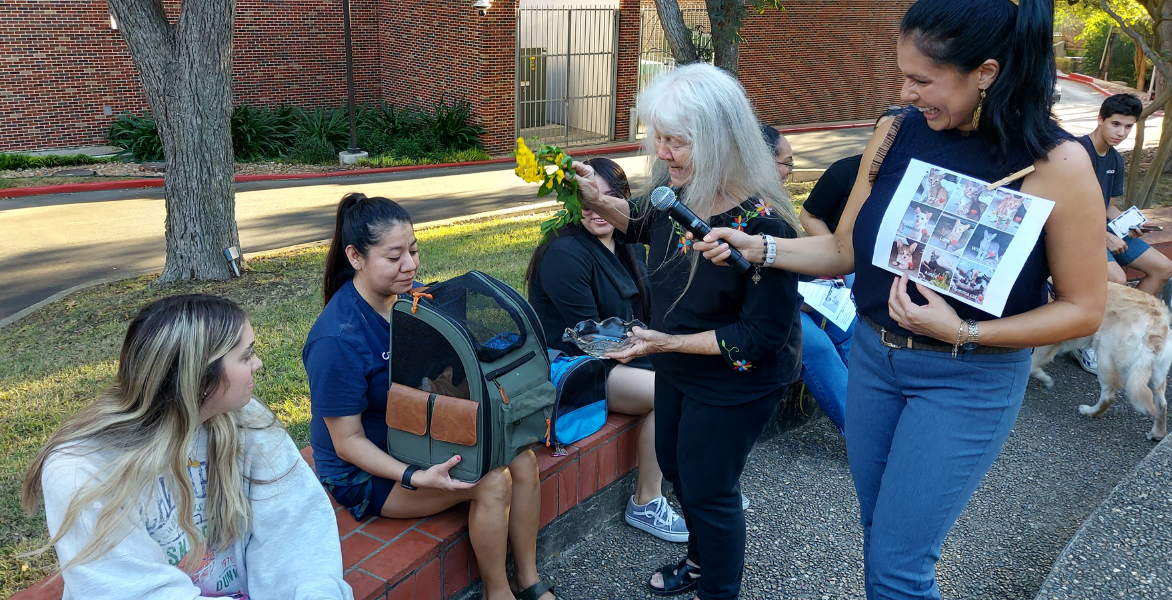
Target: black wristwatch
column 406, row 483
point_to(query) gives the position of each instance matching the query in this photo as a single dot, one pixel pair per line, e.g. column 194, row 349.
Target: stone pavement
column 804, row 536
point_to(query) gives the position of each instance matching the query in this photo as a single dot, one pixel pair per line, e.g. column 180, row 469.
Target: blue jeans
column 825, row 356
column 922, row 429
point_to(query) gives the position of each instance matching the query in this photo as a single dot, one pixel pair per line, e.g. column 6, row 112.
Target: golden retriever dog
column 1134, row 352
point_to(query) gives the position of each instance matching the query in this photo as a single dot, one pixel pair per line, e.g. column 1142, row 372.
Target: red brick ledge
column 431, row 558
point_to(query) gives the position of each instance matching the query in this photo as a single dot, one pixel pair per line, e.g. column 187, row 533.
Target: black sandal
column 535, row 591
column 677, row 579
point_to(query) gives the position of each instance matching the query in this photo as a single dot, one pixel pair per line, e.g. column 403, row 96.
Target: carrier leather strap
column 407, row 409
column 453, row 420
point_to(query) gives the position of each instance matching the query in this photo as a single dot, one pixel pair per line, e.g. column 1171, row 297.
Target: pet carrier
column 580, row 409
column 469, row 376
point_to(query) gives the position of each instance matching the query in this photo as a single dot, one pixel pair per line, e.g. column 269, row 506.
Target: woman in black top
column 935, row 385
column 580, row 273
column 724, row 344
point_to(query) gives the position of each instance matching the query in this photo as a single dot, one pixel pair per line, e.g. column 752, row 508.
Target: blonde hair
column 169, row 364
column 708, row 109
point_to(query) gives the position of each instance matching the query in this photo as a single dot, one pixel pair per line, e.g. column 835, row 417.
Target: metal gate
column 566, row 74
column 655, row 56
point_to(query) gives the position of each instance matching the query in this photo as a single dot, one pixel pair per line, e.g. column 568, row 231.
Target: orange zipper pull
column 417, row 296
column 500, row 388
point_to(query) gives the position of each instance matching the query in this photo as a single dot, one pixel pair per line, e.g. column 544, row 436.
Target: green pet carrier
column 469, row 376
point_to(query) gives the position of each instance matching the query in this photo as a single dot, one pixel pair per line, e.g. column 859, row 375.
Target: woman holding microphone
column 724, row 344
column 935, row 385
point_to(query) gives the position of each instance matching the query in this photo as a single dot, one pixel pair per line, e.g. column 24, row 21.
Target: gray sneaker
column 657, row 518
column 1087, row 359
column 744, row 501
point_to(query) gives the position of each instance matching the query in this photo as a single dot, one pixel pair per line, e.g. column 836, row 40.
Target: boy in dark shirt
column 1117, row 117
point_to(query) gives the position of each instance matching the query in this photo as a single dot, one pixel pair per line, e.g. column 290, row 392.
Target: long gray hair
column 708, row 109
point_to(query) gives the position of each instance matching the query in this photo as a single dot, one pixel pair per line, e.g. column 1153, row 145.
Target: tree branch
column 1160, row 63
column 679, row 38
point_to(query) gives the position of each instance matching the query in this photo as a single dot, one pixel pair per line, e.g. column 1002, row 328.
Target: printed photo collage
column 954, row 233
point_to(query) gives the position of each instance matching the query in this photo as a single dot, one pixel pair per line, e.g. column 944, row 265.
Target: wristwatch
column 972, row 342
column 406, row 483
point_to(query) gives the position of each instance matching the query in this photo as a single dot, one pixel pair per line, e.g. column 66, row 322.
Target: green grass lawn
column 59, row 358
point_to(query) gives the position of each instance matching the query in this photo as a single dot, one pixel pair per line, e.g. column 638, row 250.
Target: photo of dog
column 1006, row 210
column 918, row 222
column 987, row 245
column 971, row 280
column 951, row 233
column 1134, row 353
column 935, row 189
column 906, row 255
column 937, row 269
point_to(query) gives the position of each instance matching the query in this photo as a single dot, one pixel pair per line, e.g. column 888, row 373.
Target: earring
column 977, row 113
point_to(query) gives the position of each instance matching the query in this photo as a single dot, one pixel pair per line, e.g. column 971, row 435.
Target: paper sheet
column 948, row 231
column 1122, row 225
column 831, row 298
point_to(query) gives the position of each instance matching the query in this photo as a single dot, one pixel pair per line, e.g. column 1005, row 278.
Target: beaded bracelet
column 770, row 250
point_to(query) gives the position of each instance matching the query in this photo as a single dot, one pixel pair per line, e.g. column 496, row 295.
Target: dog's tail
column 1154, row 357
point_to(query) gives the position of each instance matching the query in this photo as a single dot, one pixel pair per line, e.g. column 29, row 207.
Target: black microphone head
column 663, row 198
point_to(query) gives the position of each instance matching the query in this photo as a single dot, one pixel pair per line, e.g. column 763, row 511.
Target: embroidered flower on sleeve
column 684, row 245
column 739, row 223
column 742, row 365
column 762, row 208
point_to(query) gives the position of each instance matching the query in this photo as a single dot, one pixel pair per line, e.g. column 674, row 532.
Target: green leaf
column 544, row 190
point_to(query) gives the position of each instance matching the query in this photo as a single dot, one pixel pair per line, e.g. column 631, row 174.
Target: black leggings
column 702, row 450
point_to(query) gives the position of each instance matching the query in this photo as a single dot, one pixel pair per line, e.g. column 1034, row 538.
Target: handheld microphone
column 664, row 199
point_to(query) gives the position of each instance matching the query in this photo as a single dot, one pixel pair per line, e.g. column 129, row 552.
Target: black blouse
column 756, row 324
column 580, row 279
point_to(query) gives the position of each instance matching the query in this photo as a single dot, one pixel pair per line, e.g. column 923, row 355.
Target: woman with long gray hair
column 724, row 344
column 176, row 482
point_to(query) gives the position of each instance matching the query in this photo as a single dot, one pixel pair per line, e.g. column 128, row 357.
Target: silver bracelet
column 770, row 250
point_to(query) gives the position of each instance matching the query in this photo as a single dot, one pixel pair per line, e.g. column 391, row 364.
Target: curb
column 98, row 186
column 516, row 210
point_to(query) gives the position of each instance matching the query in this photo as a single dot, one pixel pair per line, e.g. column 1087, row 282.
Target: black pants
column 702, row 450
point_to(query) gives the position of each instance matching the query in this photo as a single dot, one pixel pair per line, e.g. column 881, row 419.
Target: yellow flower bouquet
column 535, row 168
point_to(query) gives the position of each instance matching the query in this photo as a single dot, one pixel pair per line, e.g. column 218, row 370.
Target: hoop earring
column 977, row 113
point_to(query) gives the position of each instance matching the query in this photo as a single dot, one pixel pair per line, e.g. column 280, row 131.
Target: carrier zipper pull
column 548, row 441
column 417, row 296
column 500, row 388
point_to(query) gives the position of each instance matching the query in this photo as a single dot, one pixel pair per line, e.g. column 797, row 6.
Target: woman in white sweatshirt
column 176, row 483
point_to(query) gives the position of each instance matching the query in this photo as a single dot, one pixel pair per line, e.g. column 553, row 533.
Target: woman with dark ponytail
column 372, row 260
column 936, row 385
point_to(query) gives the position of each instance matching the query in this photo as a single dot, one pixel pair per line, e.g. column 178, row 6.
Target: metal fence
column 566, row 74
column 654, row 53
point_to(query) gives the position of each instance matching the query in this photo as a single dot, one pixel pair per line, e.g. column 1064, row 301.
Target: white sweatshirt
column 292, row 551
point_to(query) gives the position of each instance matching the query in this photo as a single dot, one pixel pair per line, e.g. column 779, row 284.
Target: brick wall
column 63, row 64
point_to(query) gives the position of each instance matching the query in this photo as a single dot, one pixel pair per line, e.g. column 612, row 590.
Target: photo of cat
column 951, row 233
column 1006, row 210
column 937, row 269
column 935, row 189
column 987, row 245
column 906, row 255
column 918, row 222
column 971, row 280
column 969, row 200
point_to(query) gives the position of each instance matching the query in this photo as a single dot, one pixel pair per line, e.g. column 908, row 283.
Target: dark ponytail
column 1016, row 113
column 361, row 222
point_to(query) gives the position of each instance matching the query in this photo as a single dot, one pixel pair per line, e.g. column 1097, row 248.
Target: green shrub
column 331, row 126
column 138, row 135
column 381, row 125
column 1063, row 63
column 313, row 150
column 1094, row 37
column 379, row 162
column 259, row 133
column 27, row 161
column 448, row 125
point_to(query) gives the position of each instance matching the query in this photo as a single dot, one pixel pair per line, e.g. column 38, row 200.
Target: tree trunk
column 186, row 71
column 1140, row 68
column 725, row 16
column 679, row 38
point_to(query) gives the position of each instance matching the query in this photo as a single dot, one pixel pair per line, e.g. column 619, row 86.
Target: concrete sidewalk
column 804, row 539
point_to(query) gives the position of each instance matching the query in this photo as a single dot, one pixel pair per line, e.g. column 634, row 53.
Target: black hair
column 361, row 223
column 616, row 178
column 891, row 111
column 1017, row 108
column 1126, row 105
column 771, row 136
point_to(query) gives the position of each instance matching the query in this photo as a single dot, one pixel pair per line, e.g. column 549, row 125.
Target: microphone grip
column 700, row 229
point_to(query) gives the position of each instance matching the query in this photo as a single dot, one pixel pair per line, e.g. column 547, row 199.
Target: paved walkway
column 804, row 537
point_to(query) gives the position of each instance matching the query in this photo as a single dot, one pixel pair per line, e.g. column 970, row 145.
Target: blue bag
column 580, row 408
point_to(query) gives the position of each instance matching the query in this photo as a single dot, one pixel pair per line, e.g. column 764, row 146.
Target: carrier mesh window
column 423, row 359
column 494, row 326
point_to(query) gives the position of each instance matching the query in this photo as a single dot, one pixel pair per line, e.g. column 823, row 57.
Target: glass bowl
column 597, row 338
